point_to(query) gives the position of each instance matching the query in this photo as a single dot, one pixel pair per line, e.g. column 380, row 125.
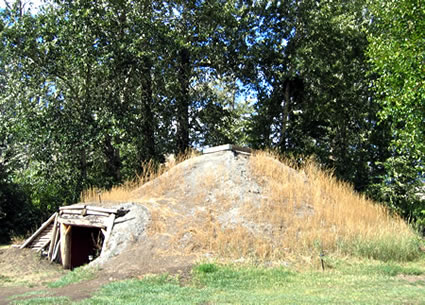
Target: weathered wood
column 43, row 226
column 66, row 238
column 88, row 212
column 53, row 238
column 56, row 251
column 72, row 207
column 44, row 245
column 99, row 209
column 227, row 147
column 41, row 243
column 89, row 208
column 109, row 228
column 83, row 222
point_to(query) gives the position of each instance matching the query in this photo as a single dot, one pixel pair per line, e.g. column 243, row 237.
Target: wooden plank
column 99, row 209
column 109, row 228
column 83, row 222
column 56, row 251
column 43, row 226
column 43, row 245
column 88, row 212
column 72, row 207
column 53, row 238
column 88, row 207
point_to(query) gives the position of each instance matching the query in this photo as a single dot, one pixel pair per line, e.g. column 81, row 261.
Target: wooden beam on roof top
column 72, row 207
column 227, row 147
column 88, row 212
column 99, row 209
column 88, row 208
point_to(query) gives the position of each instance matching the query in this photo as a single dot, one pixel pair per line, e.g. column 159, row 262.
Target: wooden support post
column 56, row 250
column 66, row 238
column 109, row 226
column 53, row 238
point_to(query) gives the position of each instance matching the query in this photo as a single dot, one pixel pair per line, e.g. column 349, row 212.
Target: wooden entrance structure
column 75, row 235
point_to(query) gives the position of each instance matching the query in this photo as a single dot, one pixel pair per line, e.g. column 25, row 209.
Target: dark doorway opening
column 86, row 245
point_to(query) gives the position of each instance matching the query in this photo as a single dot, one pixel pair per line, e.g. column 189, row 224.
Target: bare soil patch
column 24, row 274
column 26, row 267
column 413, row 278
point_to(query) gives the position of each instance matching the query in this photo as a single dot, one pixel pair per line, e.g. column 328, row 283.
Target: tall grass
column 312, row 211
column 305, row 211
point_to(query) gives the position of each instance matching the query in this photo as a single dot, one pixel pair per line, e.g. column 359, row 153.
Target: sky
column 33, row 3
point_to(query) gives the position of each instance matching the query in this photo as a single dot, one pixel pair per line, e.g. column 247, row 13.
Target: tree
column 397, row 54
column 203, row 47
column 308, row 66
column 98, row 88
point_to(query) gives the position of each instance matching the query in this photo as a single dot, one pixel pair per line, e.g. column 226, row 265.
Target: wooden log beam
column 88, row 207
column 83, row 222
column 99, row 209
column 227, row 147
column 72, row 207
column 88, row 212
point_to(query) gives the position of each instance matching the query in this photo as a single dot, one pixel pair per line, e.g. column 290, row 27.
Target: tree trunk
column 183, row 101
column 285, row 115
column 148, row 122
column 113, row 164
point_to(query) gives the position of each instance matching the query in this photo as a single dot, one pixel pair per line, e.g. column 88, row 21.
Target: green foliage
column 17, row 215
column 75, row 276
column 313, row 94
column 206, row 268
column 90, row 91
column 5, row 279
column 396, row 53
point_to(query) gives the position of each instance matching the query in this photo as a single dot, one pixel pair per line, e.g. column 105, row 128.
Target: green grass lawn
column 347, row 282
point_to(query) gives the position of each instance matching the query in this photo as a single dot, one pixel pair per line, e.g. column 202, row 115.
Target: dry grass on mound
column 305, row 212
column 125, row 192
column 300, row 212
column 311, row 210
